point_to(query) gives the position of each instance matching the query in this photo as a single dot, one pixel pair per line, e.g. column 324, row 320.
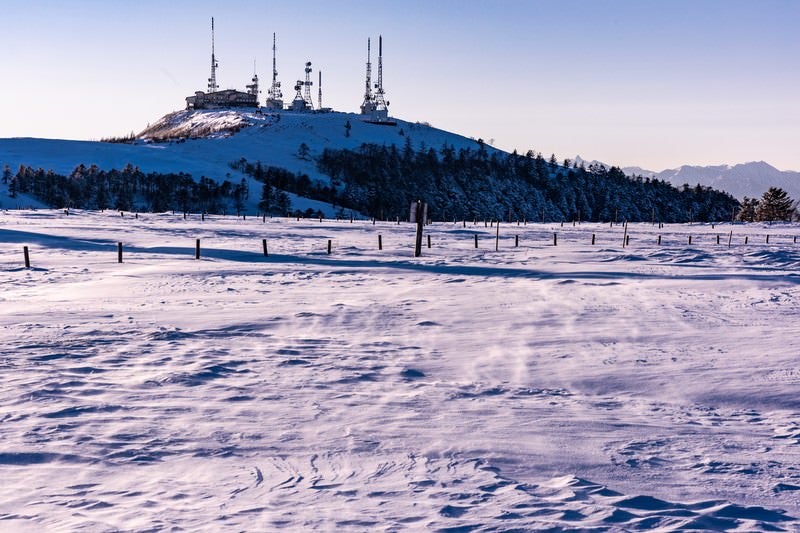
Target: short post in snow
column 27, row 257
column 516, row 241
column 429, row 241
column 197, row 249
column 555, row 239
column 329, row 246
column 593, row 237
column 659, row 240
column 497, row 238
column 476, row 240
column 730, row 238
column 418, row 210
column 380, row 242
column 264, row 245
column 119, row 252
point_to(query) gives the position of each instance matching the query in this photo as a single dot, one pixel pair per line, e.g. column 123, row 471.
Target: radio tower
column 319, row 106
column 308, row 83
column 275, row 99
column 369, row 104
column 253, row 87
column 380, row 102
column 212, row 81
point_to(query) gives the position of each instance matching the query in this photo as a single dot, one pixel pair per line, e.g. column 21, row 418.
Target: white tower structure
column 212, row 81
column 275, row 98
column 381, row 105
column 319, row 104
column 368, row 106
column 253, row 87
column 308, row 83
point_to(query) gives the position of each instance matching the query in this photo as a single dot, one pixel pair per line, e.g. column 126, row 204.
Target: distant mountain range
column 746, row 179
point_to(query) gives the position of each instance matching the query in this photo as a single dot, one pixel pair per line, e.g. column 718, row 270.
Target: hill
column 323, row 163
column 204, row 143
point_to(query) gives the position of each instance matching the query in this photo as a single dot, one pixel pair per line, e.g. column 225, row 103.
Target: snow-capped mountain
column 746, row 179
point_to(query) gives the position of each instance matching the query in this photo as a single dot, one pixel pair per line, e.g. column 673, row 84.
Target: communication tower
column 307, row 84
column 253, row 87
column 319, row 105
column 212, row 81
column 381, row 105
column 368, row 106
column 275, row 98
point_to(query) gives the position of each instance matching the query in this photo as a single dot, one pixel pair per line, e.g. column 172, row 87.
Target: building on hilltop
column 226, row 98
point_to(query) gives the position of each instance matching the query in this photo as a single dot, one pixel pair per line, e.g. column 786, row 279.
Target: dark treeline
column 382, row 181
column 128, row 189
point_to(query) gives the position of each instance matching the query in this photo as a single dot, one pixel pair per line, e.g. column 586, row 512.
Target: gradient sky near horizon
column 653, row 83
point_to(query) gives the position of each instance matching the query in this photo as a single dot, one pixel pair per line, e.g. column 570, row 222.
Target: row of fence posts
column 626, row 242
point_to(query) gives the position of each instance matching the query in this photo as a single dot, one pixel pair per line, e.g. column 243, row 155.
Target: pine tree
column 775, row 204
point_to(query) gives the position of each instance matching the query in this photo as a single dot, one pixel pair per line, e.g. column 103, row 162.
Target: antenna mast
column 319, row 106
column 380, row 102
column 253, row 87
column 212, row 81
column 308, row 83
column 369, row 105
column 275, row 99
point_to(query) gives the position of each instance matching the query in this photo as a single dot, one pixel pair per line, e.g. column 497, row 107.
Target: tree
column 6, row 174
column 775, row 204
column 303, row 152
column 748, row 211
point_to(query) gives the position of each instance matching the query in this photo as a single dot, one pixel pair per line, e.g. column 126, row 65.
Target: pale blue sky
column 630, row 82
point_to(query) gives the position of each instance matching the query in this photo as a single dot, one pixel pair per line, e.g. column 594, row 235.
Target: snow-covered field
column 562, row 387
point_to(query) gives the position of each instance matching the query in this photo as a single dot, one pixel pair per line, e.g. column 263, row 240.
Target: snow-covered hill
column 746, row 179
column 224, row 136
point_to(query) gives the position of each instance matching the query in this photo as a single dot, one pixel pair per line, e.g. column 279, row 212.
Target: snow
column 566, row 387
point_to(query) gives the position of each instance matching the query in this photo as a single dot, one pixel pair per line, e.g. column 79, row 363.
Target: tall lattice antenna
column 308, row 83
column 380, row 102
column 212, row 81
column 275, row 90
column 319, row 105
column 253, row 87
column 368, row 105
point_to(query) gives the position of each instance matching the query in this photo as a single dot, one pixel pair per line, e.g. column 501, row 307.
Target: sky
column 648, row 83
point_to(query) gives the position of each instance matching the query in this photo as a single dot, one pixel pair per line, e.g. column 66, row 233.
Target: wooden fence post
column 476, row 240
column 264, row 245
column 329, row 247
column 429, row 240
column 197, row 249
column 380, row 242
column 555, row 239
column 27, row 257
column 593, row 239
column 119, row 252
column 516, row 241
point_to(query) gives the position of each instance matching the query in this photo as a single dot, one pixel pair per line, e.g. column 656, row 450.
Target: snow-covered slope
column 540, row 387
column 273, row 139
column 226, row 136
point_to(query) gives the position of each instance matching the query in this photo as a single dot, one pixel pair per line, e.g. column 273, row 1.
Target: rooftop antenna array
column 307, row 84
column 380, row 103
column 275, row 99
column 369, row 105
column 212, row 81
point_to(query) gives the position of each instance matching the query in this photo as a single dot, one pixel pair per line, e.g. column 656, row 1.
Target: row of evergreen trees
column 128, row 189
column 382, row 181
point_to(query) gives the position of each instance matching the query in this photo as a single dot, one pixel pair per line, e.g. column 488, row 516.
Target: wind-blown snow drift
column 566, row 387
